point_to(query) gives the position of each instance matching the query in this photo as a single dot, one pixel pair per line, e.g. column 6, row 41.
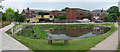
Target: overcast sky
column 58, row 4
column 62, row 0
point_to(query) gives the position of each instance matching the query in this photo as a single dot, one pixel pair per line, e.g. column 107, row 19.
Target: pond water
column 74, row 32
column 67, row 32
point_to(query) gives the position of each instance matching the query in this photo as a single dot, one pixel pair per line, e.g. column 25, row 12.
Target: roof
column 36, row 11
column 99, row 11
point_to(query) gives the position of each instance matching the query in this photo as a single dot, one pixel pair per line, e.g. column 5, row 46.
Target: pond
column 64, row 32
column 75, row 32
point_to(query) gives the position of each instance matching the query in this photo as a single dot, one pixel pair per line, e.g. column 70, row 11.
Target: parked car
column 82, row 21
column 98, row 21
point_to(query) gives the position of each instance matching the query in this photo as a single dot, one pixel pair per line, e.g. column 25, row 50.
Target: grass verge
column 79, row 44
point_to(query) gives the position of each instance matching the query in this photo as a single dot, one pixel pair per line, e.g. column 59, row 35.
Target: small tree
column 114, row 16
column 108, row 18
column 4, row 17
column 55, row 16
column 21, row 18
column 62, row 17
column 114, row 9
column 88, row 15
column 65, row 9
column 9, row 14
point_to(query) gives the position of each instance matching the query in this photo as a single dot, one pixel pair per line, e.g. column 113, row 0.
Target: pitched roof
column 99, row 11
column 35, row 10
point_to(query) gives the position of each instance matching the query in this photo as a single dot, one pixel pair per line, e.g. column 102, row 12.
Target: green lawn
column 80, row 44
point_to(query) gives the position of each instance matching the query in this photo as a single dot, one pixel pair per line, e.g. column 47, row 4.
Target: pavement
column 110, row 43
column 9, row 43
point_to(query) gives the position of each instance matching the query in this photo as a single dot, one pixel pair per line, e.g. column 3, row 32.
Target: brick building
column 98, row 14
column 71, row 13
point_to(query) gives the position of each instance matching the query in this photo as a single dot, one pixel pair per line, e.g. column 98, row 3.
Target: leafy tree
column 114, row 16
column 19, row 17
column 55, row 16
column 4, row 17
column 46, row 20
column 9, row 14
column 114, row 9
column 88, row 15
column 62, row 17
column 108, row 18
column 56, row 10
column 65, row 9
column 1, row 7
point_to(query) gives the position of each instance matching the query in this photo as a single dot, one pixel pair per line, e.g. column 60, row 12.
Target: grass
column 79, row 44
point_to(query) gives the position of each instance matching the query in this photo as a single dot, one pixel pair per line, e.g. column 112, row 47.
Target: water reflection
column 75, row 32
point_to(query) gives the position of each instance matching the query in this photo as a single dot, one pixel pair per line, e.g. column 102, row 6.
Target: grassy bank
column 79, row 44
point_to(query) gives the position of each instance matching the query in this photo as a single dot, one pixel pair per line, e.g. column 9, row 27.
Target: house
column 31, row 13
column 98, row 14
column 72, row 13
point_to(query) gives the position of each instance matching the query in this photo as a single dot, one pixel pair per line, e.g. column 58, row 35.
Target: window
column 29, row 15
column 79, row 18
column 50, row 16
column 79, row 14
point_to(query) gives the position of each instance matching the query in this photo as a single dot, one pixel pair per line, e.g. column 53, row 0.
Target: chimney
column 102, row 10
column 28, row 9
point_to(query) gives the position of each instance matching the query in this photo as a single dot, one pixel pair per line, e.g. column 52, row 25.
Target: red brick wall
column 29, row 13
column 71, row 14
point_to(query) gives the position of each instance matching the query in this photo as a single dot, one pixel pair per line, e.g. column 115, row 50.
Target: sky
column 58, row 4
column 62, row 0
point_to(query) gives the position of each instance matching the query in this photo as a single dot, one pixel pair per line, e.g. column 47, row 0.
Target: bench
column 65, row 40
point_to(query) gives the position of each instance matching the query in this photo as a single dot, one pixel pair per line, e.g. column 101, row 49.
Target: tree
column 88, row 15
column 1, row 7
column 62, row 17
column 65, row 9
column 55, row 16
column 19, row 17
column 4, row 17
column 114, row 9
column 114, row 16
column 9, row 14
column 108, row 18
